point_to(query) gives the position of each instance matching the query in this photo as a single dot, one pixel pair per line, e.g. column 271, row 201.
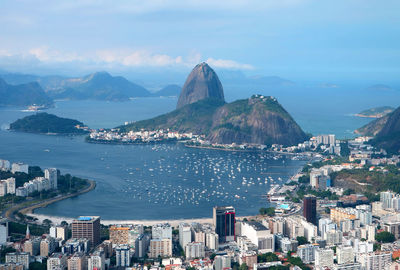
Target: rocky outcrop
column 373, row 127
column 202, row 83
column 258, row 120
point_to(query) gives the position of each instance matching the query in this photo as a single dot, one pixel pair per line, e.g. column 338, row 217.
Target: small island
column 376, row 112
column 45, row 123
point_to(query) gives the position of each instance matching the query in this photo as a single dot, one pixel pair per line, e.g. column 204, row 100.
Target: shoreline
column 29, row 210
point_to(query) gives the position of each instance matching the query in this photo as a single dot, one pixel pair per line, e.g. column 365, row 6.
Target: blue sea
column 171, row 181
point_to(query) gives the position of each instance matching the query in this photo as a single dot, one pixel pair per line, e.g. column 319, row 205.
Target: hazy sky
column 288, row 38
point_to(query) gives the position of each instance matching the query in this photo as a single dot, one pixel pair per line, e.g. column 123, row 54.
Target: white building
column 96, row 261
column 5, row 165
column 57, row 261
column 307, row 252
column 324, row 258
column 212, row 241
column 20, row 167
column 259, row 235
column 344, row 254
column 185, row 235
column 375, row 261
column 161, row 231
column 222, row 262
column 3, row 231
column 52, row 175
column 194, row 250
column 122, row 254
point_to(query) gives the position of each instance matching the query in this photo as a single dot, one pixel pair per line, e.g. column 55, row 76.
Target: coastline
column 29, row 210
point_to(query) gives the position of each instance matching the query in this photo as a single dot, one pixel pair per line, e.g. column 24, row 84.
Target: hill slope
column 23, row 94
column 258, row 120
column 171, row 90
column 195, row 117
column 388, row 137
column 47, row 123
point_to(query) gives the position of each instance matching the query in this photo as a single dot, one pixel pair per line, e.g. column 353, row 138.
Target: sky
column 295, row 39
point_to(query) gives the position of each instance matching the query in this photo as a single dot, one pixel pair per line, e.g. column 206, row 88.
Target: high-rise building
column 310, row 209
column 3, row 231
column 324, row 258
column 212, row 240
column 307, row 252
column 161, row 231
column 87, row 227
column 122, row 254
column 141, row 245
column 52, row 175
column 77, row 261
column 57, row 261
column 47, row 246
column 185, row 235
column 18, row 257
column 344, row 254
column 160, row 247
column 375, row 260
column 222, row 262
column 194, row 250
column 96, row 261
column 224, row 223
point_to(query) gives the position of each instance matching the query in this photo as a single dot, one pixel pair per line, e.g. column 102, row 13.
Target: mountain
column 258, row 120
column 202, row 83
column 388, row 137
column 171, row 90
column 195, row 117
column 202, row 110
column 373, row 127
column 376, row 112
column 48, row 123
column 99, row 86
column 23, row 94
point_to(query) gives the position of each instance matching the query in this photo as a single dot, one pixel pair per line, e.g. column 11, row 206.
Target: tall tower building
column 87, row 227
column 52, row 175
column 224, row 223
column 310, row 209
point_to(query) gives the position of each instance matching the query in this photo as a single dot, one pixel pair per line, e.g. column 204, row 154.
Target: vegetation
column 267, row 257
column 377, row 180
column 385, row 237
column 19, row 228
column 270, row 211
column 47, row 123
column 302, row 240
column 192, row 117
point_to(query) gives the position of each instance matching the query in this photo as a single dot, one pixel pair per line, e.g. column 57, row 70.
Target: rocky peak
column 202, row 83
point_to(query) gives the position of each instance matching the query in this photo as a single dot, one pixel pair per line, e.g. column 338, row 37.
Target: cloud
column 227, row 64
column 119, row 58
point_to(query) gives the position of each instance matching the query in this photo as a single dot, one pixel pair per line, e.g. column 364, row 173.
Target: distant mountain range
column 23, row 94
column 202, row 110
column 97, row 86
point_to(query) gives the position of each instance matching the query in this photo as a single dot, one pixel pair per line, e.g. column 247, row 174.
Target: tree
column 47, row 222
column 270, row 211
column 267, row 257
column 64, row 223
column 302, row 240
column 385, row 237
column 243, row 266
